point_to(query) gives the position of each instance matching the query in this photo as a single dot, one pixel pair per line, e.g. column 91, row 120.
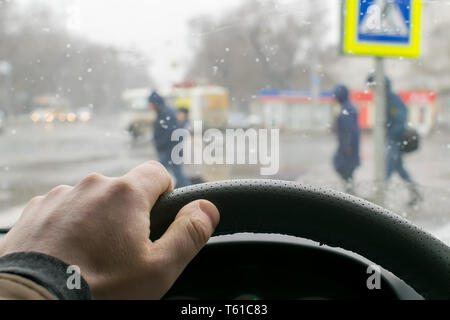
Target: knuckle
column 35, row 200
column 59, row 189
column 156, row 164
column 92, row 178
column 121, row 187
column 198, row 231
column 157, row 169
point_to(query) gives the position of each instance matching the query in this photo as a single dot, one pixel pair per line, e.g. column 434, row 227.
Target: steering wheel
column 326, row 216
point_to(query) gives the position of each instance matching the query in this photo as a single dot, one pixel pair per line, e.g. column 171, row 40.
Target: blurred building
column 422, row 108
column 294, row 111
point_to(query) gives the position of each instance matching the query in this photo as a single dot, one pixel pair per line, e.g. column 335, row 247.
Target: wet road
column 36, row 157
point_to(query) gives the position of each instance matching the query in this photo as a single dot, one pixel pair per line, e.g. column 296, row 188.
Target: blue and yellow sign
column 382, row 27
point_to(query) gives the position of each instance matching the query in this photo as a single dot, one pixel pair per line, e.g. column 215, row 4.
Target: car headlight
column 35, row 117
column 71, row 117
column 62, row 117
column 85, row 116
column 49, row 117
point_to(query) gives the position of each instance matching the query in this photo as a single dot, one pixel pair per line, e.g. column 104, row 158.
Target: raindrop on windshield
column 163, row 124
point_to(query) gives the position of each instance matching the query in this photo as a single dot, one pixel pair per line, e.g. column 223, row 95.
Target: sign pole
column 381, row 28
column 380, row 131
column 5, row 70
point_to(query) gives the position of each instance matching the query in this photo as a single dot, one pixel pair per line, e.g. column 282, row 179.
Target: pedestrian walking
column 165, row 124
column 346, row 158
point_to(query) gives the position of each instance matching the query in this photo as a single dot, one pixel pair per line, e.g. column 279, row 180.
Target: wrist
column 49, row 272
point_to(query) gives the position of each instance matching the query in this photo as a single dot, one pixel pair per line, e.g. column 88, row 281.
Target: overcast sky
column 159, row 28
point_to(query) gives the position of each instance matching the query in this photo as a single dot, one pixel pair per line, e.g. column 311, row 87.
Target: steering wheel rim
column 323, row 215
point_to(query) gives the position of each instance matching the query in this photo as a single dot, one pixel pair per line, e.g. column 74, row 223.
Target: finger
column 187, row 235
column 152, row 179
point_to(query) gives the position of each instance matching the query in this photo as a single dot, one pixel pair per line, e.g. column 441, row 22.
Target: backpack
column 410, row 140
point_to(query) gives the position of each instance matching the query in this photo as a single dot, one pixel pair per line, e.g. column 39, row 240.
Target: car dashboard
column 275, row 267
column 272, row 267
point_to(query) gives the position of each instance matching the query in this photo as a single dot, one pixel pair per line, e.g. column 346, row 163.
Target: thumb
column 188, row 234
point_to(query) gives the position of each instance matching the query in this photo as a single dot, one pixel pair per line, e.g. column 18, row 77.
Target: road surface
column 36, row 157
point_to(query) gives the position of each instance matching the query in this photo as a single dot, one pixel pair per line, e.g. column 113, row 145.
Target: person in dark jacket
column 346, row 159
column 396, row 119
column 166, row 122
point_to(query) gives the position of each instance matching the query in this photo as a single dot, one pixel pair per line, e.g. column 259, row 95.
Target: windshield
column 266, row 89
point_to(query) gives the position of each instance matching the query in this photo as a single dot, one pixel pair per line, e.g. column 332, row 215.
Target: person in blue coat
column 165, row 123
column 346, row 159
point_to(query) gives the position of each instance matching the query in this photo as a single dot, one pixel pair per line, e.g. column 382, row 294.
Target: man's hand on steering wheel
column 102, row 225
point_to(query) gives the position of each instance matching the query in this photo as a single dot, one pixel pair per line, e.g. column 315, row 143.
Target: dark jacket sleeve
column 31, row 275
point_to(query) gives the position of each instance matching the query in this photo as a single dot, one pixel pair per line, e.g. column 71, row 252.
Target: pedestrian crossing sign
column 382, row 27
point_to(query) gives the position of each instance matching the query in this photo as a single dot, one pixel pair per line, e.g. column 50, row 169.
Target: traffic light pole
column 380, row 131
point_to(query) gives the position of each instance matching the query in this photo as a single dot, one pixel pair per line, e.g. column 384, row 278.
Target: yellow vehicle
column 209, row 104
